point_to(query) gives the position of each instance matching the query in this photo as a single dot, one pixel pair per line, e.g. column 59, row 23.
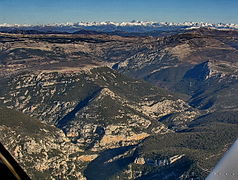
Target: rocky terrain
column 42, row 150
column 98, row 106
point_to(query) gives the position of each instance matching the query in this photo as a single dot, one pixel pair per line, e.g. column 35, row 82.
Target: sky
column 61, row 11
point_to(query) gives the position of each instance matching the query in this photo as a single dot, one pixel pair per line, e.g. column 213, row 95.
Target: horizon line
column 116, row 22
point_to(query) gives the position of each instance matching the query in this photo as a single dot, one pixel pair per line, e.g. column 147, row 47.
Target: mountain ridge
column 130, row 27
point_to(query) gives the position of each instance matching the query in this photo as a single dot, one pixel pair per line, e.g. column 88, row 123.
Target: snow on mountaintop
column 112, row 26
column 132, row 23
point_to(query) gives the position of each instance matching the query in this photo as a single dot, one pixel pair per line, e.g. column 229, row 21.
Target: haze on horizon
column 60, row 11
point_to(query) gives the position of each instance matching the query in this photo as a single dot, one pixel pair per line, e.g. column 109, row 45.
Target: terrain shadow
column 102, row 168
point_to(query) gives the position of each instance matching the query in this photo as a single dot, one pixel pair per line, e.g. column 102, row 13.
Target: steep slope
column 186, row 155
column 201, row 63
column 97, row 108
column 182, row 155
column 176, row 54
column 42, row 150
column 215, row 88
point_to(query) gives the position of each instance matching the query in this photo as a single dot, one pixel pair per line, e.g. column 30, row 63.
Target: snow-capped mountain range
column 108, row 26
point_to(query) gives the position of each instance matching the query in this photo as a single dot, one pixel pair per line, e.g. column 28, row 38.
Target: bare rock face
column 42, row 150
column 93, row 107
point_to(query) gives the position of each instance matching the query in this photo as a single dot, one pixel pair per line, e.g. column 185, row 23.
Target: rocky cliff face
column 42, row 150
column 97, row 108
column 92, row 108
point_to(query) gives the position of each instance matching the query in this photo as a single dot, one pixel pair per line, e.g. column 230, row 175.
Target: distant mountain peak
column 131, row 23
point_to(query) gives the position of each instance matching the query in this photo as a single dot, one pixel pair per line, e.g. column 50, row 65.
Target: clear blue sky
column 49, row 11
